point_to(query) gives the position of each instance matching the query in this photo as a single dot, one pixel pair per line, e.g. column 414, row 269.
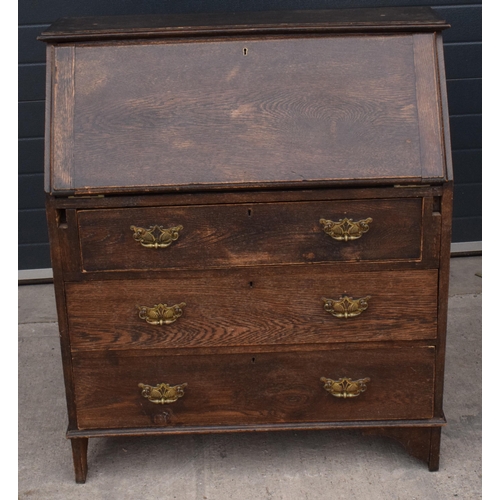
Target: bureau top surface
column 253, row 111
column 343, row 20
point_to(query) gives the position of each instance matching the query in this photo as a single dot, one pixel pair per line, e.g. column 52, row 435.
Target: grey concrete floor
column 320, row 465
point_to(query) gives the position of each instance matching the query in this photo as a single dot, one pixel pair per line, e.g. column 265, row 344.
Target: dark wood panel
column 465, row 22
column 365, row 427
column 263, row 22
column 466, row 131
column 424, row 49
column 60, row 140
column 30, row 156
column 31, row 116
column 261, row 348
column 443, row 288
column 152, row 199
column 253, row 389
column 467, row 165
column 253, row 306
column 30, row 191
column 75, row 276
column 32, row 226
column 463, row 60
column 31, row 80
column 250, row 234
column 444, row 113
column 248, row 121
column 61, row 260
column 467, row 229
column 50, row 82
column 465, row 96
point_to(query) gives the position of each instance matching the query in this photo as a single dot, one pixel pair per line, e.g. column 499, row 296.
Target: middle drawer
column 253, row 306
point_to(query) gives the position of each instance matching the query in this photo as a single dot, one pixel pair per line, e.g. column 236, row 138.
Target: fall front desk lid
column 251, row 112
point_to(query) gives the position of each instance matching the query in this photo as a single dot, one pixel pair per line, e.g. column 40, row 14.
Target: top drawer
column 250, row 234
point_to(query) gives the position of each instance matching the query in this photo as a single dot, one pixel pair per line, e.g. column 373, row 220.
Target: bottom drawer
column 245, row 389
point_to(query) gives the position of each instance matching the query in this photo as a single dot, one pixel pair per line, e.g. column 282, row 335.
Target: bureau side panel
column 447, row 213
column 59, row 254
column 63, row 110
column 49, row 77
column 444, row 279
column 429, row 117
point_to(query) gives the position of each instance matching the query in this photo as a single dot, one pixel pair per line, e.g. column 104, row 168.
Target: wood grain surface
column 250, row 234
column 60, row 150
column 249, row 389
column 348, row 111
column 251, row 307
column 432, row 149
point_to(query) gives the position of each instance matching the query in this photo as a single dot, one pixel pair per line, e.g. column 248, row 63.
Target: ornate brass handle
column 346, row 229
column 346, row 307
column 156, row 236
column 345, row 387
column 162, row 393
column 161, row 314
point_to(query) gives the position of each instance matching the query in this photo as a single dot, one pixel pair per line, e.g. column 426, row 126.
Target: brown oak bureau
column 250, row 219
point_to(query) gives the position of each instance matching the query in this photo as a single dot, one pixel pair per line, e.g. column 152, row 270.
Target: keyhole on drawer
column 249, row 212
column 245, row 51
column 253, row 361
column 250, row 284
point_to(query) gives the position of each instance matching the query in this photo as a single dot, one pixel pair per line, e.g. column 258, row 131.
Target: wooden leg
column 435, row 447
column 420, row 442
column 79, row 446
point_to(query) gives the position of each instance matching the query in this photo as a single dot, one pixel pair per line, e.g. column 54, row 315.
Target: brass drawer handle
column 162, row 393
column 346, row 229
column 345, row 387
column 156, row 236
column 161, row 314
column 346, row 307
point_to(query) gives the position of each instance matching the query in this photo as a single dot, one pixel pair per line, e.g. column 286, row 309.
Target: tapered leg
column 435, row 447
column 79, row 446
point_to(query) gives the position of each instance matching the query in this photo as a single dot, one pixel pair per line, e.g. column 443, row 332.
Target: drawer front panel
column 249, row 234
column 232, row 389
column 252, row 307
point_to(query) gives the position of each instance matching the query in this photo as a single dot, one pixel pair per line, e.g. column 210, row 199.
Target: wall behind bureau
column 463, row 68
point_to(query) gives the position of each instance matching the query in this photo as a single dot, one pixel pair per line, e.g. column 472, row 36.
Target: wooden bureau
column 250, row 222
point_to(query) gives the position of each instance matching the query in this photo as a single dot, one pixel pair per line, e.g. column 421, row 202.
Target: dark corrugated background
column 463, row 69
